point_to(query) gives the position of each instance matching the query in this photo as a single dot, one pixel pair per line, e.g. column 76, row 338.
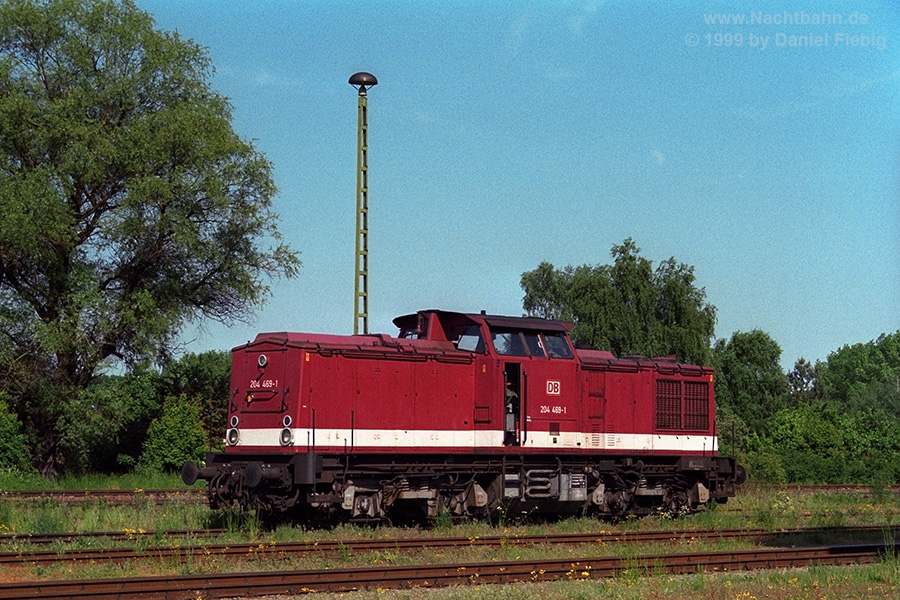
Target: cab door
column 512, row 404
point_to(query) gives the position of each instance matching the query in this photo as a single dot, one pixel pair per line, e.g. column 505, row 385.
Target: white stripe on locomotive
column 338, row 439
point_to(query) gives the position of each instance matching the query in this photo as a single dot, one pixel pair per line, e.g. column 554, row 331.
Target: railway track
column 128, row 535
column 112, row 497
column 348, row 547
column 346, row 580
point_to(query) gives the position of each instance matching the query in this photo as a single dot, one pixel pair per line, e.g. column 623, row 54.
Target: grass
column 44, row 516
column 130, row 481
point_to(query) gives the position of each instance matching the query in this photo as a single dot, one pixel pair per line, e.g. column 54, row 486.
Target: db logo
column 552, row 388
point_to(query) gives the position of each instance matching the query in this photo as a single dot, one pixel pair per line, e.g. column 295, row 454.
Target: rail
column 24, row 556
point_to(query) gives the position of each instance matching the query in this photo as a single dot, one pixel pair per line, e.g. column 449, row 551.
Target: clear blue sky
column 506, row 134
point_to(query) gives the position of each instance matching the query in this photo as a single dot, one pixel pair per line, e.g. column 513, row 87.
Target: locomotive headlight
column 234, row 420
column 262, row 361
column 287, row 437
column 286, row 421
column 233, row 436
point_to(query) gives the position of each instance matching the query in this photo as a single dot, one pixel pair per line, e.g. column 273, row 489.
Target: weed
column 343, row 551
column 443, row 520
column 238, row 520
column 46, row 519
column 890, row 546
column 6, row 513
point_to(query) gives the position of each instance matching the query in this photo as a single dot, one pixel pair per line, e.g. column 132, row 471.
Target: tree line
column 835, row 421
column 150, row 420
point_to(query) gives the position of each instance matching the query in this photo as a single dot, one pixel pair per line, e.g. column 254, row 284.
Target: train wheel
column 740, row 474
column 676, row 502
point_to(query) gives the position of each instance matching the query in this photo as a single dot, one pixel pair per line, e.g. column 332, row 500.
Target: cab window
column 557, row 346
column 533, row 341
column 508, row 342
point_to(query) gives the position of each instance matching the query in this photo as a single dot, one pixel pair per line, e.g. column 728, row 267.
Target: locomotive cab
column 539, row 384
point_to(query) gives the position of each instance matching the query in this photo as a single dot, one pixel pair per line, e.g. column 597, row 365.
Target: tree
column 627, row 307
column 861, row 376
column 102, row 427
column 547, row 292
column 803, row 379
column 873, row 446
column 749, row 379
column 129, row 204
column 811, row 441
column 843, row 425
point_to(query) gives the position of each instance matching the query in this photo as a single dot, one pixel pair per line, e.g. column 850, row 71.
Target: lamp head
column 362, row 80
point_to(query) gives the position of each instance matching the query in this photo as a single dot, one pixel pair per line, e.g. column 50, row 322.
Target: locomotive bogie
column 464, row 414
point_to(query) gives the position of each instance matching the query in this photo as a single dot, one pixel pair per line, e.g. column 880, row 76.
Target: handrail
column 524, row 391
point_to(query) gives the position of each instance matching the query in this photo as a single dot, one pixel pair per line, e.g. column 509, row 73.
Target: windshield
column 512, row 342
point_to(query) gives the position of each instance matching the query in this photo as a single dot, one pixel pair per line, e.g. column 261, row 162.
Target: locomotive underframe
column 375, row 487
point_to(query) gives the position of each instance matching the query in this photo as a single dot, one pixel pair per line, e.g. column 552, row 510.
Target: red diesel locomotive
column 472, row 414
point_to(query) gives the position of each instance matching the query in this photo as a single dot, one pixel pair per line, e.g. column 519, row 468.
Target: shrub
column 175, row 437
column 764, row 465
column 13, row 448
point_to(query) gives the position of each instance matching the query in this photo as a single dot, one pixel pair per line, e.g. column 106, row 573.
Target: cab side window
column 508, row 342
column 557, row 346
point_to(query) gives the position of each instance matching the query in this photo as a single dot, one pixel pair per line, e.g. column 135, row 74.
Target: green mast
column 362, row 81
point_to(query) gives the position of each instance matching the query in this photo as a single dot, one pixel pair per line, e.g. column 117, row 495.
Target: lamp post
column 362, row 81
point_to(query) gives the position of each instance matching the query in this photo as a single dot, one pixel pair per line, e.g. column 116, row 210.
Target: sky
column 764, row 153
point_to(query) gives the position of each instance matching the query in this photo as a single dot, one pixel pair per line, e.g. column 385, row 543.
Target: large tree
column 627, row 307
column 129, row 205
column 749, row 379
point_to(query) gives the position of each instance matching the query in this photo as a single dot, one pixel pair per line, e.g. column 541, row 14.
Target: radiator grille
column 668, row 404
column 682, row 406
column 696, row 405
